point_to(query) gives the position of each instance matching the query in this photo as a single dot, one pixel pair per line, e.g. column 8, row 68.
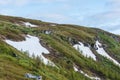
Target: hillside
column 56, row 51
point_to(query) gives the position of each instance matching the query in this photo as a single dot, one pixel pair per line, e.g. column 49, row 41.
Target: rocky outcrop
column 86, row 44
column 46, row 31
column 72, row 41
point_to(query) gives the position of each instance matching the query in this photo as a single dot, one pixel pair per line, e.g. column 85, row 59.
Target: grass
column 113, row 46
column 14, row 68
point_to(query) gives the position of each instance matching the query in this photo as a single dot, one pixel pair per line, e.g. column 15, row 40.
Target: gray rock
column 31, row 76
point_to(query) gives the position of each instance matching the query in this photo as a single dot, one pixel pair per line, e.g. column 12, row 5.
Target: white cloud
column 107, row 20
column 24, row 2
column 115, row 4
column 116, row 31
column 50, row 17
column 115, row 1
column 6, row 11
column 55, row 16
column 13, row 2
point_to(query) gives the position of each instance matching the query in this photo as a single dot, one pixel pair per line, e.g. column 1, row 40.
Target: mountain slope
column 58, row 39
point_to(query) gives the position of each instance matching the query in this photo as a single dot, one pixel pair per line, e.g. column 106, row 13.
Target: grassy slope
column 57, row 40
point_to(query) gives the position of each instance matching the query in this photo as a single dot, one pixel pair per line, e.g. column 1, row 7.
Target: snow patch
column 84, row 50
column 75, row 69
column 48, row 32
column 91, row 77
column 28, row 24
column 32, row 45
column 102, row 52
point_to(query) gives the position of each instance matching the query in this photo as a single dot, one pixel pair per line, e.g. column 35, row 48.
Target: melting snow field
column 91, row 77
column 32, row 45
column 28, row 24
column 84, row 50
column 102, row 52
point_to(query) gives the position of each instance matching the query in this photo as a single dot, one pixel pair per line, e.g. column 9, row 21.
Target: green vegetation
column 14, row 67
column 113, row 45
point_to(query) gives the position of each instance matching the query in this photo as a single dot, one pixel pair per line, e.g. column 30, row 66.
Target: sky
column 103, row 14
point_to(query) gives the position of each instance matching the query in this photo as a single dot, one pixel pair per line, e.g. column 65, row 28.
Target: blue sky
column 104, row 14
